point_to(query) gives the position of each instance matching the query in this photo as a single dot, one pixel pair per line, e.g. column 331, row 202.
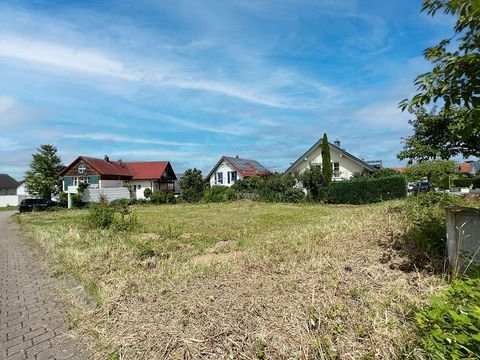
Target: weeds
column 306, row 277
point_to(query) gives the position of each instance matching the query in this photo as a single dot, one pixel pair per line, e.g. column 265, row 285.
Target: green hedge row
column 367, row 190
column 467, row 182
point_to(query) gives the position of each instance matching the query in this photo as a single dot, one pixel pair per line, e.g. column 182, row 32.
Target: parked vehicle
column 410, row 186
column 422, row 186
column 28, row 205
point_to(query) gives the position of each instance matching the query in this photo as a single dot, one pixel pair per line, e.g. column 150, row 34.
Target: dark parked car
column 421, row 186
column 28, row 205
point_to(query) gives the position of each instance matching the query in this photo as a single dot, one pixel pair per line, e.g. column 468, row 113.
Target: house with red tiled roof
column 105, row 173
column 469, row 168
column 228, row 170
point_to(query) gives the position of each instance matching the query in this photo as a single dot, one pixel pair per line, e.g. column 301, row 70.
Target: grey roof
column 246, row 167
column 7, row 182
column 334, row 147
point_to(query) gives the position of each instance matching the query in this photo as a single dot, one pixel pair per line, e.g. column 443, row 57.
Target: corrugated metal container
column 463, row 237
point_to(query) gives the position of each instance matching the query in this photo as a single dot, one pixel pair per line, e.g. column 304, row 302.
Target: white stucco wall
column 348, row 167
column 110, row 183
column 224, row 168
column 144, row 184
column 10, row 200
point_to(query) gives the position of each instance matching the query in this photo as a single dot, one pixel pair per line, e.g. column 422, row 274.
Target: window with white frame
column 80, row 179
column 219, row 177
column 232, row 177
column 336, row 169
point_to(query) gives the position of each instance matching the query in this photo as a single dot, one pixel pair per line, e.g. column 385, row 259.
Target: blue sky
column 188, row 81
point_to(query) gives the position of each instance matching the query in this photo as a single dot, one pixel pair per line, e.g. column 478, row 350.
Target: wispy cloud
column 125, row 139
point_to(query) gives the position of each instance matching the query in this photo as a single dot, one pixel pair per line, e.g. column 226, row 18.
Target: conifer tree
column 327, row 170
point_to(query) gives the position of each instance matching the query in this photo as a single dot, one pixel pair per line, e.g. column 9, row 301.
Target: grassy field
column 8, row 208
column 240, row 280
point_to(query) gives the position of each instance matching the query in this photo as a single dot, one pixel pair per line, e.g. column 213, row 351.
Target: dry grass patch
column 241, row 280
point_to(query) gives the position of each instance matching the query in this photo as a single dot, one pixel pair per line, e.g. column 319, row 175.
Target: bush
column 273, row 188
column 313, row 181
column 77, row 201
column 100, row 216
column 425, row 235
column 476, row 182
column 158, row 198
column 219, row 194
column 170, row 198
column 462, row 182
column 147, row 193
column 192, row 185
column 116, row 215
column 450, row 326
column 366, row 191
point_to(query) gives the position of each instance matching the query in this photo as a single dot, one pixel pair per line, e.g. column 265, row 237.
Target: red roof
column 400, row 170
column 104, row 167
column 465, row 167
column 138, row 170
column 147, row 170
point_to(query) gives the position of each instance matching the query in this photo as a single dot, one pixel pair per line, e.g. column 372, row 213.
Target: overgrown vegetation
column 450, row 326
column 239, row 279
column 117, row 215
column 367, row 190
column 272, row 188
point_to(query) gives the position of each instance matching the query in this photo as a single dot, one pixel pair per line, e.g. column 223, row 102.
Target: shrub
column 158, row 198
column 121, row 202
column 365, row 190
column 147, row 193
column 462, row 182
column 273, row 188
column 192, row 185
column 476, row 182
column 100, row 216
column 425, row 235
column 117, row 215
column 77, row 201
column 313, row 181
column 170, row 198
column 218, row 194
column 450, row 326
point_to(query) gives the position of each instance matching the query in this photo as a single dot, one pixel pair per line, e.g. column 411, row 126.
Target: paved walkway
column 32, row 322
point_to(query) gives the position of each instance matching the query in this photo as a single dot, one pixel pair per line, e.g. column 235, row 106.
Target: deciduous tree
column 453, row 83
column 192, row 185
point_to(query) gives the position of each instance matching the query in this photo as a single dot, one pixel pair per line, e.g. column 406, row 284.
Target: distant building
column 344, row 164
column 104, row 173
column 469, row 168
column 8, row 185
column 229, row 170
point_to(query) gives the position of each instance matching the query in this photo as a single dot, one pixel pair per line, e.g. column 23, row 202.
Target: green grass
column 216, row 278
column 8, row 208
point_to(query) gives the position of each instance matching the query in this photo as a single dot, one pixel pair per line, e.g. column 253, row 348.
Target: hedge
column 466, row 182
column 367, row 190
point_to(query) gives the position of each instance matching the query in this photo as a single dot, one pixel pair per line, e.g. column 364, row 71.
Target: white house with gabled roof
column 344, row 164
column 228, row 170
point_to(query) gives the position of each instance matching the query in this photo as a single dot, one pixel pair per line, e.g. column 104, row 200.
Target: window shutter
column 228, row 176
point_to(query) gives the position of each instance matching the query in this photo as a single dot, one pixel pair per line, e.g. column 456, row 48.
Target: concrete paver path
column 32, row 324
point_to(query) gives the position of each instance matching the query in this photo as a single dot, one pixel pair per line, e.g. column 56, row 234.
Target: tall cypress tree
column 327, row 169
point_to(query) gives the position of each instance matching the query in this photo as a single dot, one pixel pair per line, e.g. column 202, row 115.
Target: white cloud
column 14, row 114
column 126, row 139
column 383, row 115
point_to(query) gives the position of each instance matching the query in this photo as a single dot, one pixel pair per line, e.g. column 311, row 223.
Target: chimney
column 236, row 156
column 337, row 143
column 106, row 158
column 120, row 162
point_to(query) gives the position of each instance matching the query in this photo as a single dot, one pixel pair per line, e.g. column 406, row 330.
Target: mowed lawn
column 240, row 280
